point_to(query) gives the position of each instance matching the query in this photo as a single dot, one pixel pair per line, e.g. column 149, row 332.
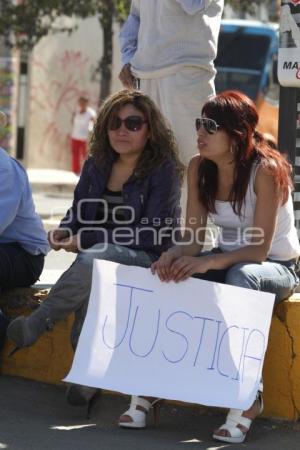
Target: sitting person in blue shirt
column 23, row 241
column 125, row 207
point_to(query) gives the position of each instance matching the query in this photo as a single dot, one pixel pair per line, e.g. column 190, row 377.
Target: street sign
column 289, row 44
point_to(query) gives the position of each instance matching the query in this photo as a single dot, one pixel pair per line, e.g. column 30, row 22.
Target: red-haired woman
column 240, row 183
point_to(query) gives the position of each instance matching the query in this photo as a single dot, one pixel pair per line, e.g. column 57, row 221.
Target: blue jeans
column 72, row 291
column 276, row 277
column 115, row 253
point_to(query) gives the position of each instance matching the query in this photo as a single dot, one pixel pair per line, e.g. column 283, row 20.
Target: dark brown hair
column 236, row 114
column 160, row 146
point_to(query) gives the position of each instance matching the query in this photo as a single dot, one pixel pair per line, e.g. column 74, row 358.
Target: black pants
column 18, row 268
column 3, row 327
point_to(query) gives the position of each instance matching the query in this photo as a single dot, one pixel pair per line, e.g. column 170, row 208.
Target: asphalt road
column 35, row 416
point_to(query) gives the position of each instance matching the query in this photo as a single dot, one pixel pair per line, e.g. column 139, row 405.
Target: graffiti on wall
column 54, row 93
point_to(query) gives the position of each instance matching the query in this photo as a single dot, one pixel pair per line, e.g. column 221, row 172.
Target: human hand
column 126, row 77
column 186, row 266
column 163, row 265
column 70, row 244
column 55, row 237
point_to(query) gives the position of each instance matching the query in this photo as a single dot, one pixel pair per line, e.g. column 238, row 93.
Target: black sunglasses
column 209, row 125
column 132, row 123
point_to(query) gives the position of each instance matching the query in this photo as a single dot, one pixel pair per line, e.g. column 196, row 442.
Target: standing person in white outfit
column 170, row 47
column 82, row 124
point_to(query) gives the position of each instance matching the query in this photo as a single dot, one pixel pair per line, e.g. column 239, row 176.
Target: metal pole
column 287, row 122
column 289, row 101
column 297, row 161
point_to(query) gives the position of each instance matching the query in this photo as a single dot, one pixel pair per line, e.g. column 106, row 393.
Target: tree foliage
column 248, row 6
column 24, row 23
column 242, row 6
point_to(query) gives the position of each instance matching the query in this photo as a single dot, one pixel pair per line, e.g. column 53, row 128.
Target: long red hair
column 237, row 115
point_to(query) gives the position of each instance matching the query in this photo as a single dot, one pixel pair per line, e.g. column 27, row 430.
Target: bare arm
column 264, row 224
column 196, row 214
column 260, row 239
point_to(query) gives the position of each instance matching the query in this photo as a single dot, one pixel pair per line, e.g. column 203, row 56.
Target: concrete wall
column 49, row 360
column 9, row 78
column 62, row 67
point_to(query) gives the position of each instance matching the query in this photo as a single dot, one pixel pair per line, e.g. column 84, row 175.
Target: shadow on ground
column 36, row 416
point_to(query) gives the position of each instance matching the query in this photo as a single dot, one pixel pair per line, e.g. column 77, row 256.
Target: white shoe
column 138, row 416
column 233, row 419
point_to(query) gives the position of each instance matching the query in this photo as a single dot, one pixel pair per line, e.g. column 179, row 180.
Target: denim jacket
column 152, row 203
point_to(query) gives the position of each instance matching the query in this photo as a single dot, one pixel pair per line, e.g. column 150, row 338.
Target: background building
column 8, row 91
column 61, row 68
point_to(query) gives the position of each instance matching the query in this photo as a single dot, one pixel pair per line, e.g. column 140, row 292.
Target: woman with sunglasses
column 230, row 182
column 121, row 202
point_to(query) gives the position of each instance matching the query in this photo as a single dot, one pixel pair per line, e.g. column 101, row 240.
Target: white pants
column 180, row 97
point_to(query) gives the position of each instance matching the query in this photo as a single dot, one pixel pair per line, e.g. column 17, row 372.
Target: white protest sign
column 193, row 341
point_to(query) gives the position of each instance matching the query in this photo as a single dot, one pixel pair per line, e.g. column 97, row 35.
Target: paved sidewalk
column 53, row 195
column 35, row 416
column 52, row 177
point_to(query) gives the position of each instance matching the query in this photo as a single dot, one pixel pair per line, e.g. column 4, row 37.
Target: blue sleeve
column 128, row 38
column 10, row 196
column 192, row 6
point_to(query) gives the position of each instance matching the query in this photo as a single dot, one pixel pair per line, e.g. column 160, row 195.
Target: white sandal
column 138, row 416
column 233, row 419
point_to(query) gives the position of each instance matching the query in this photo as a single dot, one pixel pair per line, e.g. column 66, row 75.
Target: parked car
column 247, row 61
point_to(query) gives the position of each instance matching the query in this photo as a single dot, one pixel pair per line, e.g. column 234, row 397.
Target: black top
column 109, row 210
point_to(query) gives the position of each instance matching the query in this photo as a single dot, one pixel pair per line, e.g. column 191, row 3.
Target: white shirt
column 83, row 124
column 160, row 36
column 235, row 231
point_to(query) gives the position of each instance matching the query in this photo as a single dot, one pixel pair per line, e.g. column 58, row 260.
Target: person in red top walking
column 82, row 123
